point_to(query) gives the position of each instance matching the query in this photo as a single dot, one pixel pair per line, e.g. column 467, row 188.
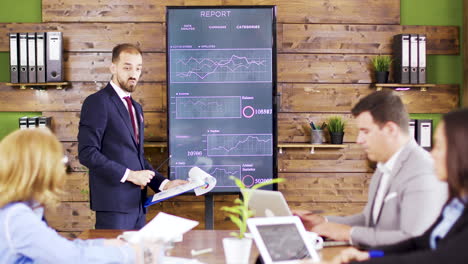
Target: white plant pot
column 237, row 251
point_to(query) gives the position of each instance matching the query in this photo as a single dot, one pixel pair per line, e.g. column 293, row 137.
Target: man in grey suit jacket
column 404, row 197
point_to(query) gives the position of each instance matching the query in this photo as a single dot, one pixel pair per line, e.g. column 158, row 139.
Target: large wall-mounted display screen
column 221, row 73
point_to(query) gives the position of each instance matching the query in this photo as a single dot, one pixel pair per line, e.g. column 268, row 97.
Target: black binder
column 422, row 59
column 401, row 58
column 45, row 121
column 23, row 122
column 23, row 57
column 54, row 67
column 32, row 57
column 414, row 58
column 14, row 76
column 33, row 122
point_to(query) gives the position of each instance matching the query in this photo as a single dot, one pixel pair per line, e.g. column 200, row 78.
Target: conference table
column 203, row 239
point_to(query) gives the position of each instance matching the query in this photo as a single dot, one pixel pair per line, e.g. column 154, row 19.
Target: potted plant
column 336, row 126
column 316, row 134
column 381, row 65
column 237, row 248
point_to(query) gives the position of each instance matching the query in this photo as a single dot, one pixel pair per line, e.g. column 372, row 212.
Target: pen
column 201, row 251
column 313, row 125
column 312, row 212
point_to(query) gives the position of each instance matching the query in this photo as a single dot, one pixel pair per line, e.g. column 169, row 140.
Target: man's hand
column 346, row 256
column 141, row 178
column 174, row 183
column 308, row 219
column 352, row 254
column 333, row 231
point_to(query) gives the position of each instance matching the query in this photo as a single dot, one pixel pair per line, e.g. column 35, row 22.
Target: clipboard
column 164, row 195
column 199, row 181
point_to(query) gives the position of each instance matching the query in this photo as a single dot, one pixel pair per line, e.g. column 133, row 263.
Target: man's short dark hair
column 384, row 106
column 125, row 47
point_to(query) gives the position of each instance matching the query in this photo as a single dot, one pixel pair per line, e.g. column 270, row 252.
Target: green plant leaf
column 237, row 221
column 239, row 213
column 234, row 210
column 381, row 63
column 235, row 234
column 336, row 124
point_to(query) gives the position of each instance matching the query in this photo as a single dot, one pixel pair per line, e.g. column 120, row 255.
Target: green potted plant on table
column 336, row 126
column 381, row 65
column 237, row 248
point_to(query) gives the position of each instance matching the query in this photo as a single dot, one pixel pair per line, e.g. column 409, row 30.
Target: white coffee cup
column 316, row 240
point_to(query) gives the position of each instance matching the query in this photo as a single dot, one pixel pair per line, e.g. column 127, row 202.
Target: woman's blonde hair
column 31, row 168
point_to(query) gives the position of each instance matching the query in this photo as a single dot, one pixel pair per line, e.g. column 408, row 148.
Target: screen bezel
column 274, row 84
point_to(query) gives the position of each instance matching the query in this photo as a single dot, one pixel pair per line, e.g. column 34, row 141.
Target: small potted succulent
column 381, row 65
column 336, row 126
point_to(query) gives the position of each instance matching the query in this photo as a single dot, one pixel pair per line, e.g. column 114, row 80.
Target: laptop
column 282, row 240
column 268, row 203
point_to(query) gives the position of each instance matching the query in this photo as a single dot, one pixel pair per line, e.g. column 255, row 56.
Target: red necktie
column 132, row 118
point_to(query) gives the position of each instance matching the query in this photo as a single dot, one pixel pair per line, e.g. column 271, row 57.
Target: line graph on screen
column 221, row 65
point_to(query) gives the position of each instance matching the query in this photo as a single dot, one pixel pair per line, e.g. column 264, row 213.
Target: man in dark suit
column 110, row 144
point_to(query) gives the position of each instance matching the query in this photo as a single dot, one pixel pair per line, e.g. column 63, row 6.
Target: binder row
column 34, row 122
column 36, row 57
column 409, row 58
column 421, row 129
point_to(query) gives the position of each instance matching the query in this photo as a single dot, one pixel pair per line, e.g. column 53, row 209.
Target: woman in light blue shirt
column 32, row 175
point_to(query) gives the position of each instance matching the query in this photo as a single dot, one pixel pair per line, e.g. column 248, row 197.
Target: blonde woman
column 32, row 175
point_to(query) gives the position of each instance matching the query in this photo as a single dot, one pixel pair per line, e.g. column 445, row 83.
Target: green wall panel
column 9, row 121
column 15, row 11
column 20, row 11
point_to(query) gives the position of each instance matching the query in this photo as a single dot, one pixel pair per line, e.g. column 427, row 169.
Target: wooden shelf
column 58, row 85
column 161, row 145
column 423, row 86
column 311, row 146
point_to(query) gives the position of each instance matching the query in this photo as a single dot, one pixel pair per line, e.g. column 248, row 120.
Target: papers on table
column 163, row 228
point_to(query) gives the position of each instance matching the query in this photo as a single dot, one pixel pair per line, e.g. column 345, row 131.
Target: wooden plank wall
column 324, row 52
column 465, row 53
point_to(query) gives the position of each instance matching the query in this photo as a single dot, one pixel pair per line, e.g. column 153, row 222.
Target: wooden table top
column 202, row 239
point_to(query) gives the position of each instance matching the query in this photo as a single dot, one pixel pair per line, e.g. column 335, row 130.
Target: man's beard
column 126, row 86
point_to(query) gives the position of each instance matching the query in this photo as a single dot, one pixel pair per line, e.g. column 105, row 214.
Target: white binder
column 54, row 57
column 23, row 57
column 40, row 57
column 422, row 59
column 14, row 76
column 32, row 57
column 414, row 58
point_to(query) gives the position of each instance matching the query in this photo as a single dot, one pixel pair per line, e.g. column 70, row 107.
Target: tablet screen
column 283, row 242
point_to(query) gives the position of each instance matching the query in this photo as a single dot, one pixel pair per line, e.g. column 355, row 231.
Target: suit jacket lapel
column 402, row 158
column 373, row 187
column 123, row 112
column 141, row 124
